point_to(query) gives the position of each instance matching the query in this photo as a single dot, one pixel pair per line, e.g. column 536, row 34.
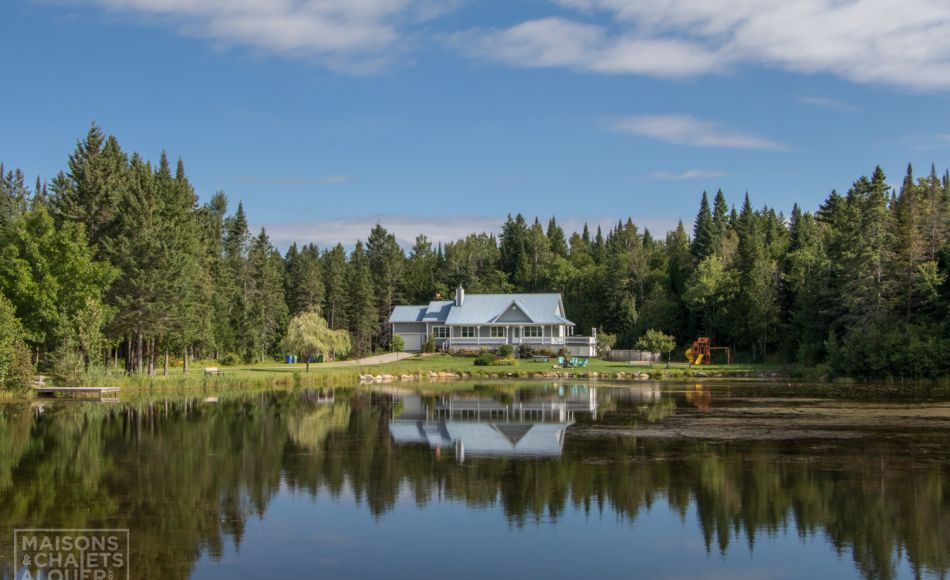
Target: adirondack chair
column 583, row 362
column 560, row 361
column 573, row 361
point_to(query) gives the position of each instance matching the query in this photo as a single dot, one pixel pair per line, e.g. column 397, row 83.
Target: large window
column 467, row 331
column 533, row 332
column 440, row 331
column 498, row 332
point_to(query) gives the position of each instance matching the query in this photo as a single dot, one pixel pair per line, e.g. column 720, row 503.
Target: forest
column 114, row 263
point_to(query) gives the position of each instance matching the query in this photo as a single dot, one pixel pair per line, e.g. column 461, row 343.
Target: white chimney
column 459, row 296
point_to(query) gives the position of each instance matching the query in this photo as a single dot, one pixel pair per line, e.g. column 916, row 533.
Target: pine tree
column 386, row 263
column 556, row 239
column 704, row 234
column 333, row 264
column 361, row 305
column 89, row 192
column 266, row 304
column 513, row 251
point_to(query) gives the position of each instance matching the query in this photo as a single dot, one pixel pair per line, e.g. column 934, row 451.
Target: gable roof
column 486, row 308
column 407, row 314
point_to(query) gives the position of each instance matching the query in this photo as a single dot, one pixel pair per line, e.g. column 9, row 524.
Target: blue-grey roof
column 506, row 439
column 407, row 314
column 485, row 308
column 438, row 310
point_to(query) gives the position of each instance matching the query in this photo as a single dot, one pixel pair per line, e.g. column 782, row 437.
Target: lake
column 500, row 480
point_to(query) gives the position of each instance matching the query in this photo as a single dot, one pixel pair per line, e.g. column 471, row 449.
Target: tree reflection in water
column 185, row 476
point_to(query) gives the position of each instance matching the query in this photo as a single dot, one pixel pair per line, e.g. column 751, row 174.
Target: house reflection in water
column 530, row 427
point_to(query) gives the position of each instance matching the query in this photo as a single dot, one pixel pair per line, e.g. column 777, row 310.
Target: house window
column 498, row 332
column 467, row 331
column 533, row 332
column 440, row 331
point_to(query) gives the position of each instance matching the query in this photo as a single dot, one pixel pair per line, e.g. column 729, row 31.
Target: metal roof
column 485, row 308
column 407, row 314
column 499, row 439
column 438, row 310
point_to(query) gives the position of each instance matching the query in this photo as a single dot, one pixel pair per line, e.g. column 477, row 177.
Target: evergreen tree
column 704, row 231
column 361, row 305
column 333, row 264
column 266, row 305
column 89, row 192
column 556, row 239
column 386, row 263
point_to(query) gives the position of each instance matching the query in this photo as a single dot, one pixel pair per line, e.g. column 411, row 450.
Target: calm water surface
column 511, row 480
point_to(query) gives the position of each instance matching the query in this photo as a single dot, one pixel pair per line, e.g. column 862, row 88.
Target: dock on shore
column 45, row 391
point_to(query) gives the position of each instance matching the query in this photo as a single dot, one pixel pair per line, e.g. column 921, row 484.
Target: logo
column 61, row 554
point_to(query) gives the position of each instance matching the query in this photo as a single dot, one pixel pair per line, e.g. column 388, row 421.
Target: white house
column 489, row 321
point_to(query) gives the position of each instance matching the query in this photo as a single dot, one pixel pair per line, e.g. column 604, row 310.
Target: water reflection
column 527, row 423
column 870, row 479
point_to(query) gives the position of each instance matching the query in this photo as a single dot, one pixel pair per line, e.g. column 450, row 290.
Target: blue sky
column 441, row 117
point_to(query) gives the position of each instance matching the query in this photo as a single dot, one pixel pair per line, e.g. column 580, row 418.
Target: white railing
column 457, row 341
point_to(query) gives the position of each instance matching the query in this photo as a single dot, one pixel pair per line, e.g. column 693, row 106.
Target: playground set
column 702, row 350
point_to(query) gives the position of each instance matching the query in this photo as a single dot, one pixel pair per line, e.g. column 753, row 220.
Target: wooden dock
column 76, row 391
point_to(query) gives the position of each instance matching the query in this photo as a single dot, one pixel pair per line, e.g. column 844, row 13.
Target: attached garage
column 408, row 324
column 412, row 341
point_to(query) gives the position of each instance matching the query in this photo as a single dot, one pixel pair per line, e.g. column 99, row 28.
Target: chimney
column 459, row 296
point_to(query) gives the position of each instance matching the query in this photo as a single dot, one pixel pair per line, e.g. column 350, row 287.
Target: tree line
column 115, row 262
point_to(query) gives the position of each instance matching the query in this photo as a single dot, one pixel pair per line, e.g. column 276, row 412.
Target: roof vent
column 459, row 296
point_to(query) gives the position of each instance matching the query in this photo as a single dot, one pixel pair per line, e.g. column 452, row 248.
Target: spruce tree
column 704, row 231
column 361, row 305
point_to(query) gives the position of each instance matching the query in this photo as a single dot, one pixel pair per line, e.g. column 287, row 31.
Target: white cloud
column 688, row 174
column 687, row 130
column 556, row 42
column 869, row 41
column 352, row 36
column 347, row 231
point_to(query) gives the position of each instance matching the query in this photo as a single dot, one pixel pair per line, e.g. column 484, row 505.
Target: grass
column 273, row 375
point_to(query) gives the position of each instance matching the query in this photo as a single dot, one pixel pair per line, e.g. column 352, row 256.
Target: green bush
column 504, row 362
column 564, row 352
column 229, row 360
column 525, row 351
column 506, row 351
column 466, row 352
column 398, row 344
column 486, row 359
column 429, row 345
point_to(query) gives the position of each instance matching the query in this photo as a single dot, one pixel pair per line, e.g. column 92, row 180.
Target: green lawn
column 279, row 375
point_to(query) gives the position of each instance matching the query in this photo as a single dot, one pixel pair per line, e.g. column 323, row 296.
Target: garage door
column 413, row 341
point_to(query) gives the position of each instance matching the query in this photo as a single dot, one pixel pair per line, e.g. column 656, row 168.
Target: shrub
column 525, row 351
column 21, row 370
column 466, row 352
column 229, row 360
column 544, row 351
column 398, row 344
column 485, row 359
column 564, row 352
column 429, row 346
column 506, row 351
column 504, row 362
